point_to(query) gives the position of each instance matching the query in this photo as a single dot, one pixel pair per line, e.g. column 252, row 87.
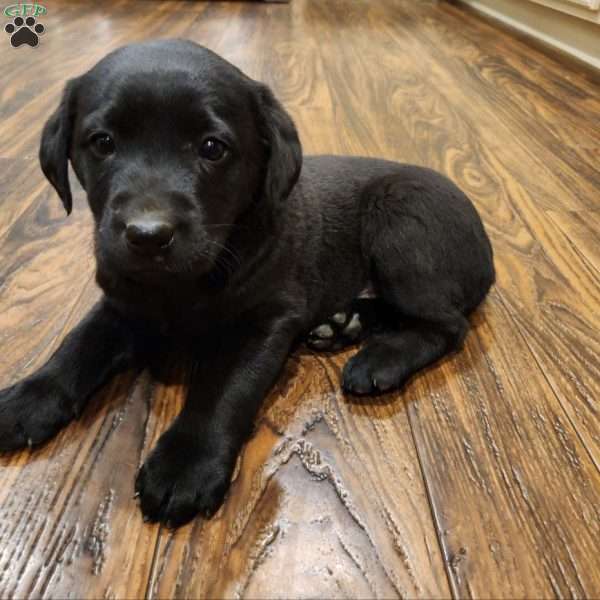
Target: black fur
column 264, row 247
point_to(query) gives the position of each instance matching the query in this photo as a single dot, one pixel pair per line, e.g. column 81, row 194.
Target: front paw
column 31, row 412
column 180, row 479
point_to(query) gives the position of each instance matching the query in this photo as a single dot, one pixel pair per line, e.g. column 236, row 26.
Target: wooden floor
column 482, row 478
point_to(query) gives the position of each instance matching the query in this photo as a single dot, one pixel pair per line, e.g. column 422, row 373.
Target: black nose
column 149, row 235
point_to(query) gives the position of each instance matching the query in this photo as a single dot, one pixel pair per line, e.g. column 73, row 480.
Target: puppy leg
column 36, row 408
column 189, row 471
column 431, row 264
column 390, row 359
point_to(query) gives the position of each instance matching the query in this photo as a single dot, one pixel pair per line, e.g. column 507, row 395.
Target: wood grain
column 308, row 501
column 482, row 479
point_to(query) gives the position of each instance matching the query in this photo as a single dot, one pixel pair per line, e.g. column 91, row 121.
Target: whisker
column 229, row 251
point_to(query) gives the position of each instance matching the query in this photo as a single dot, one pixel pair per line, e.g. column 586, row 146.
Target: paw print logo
column 24, row 32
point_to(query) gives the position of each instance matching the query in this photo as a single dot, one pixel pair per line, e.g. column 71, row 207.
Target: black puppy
column 212, row 232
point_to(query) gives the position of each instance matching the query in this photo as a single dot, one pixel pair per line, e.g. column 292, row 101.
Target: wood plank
column 582, row 230
column 562, row 73
column 520, row 515
column 46, row 266
column 532, row 75
column 69, row 502
column 309, row 501
column 451, row 72
column 21, row 177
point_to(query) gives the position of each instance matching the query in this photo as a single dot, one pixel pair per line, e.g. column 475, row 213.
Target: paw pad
column 24, row 31
column 342, row 329
column 362, row 318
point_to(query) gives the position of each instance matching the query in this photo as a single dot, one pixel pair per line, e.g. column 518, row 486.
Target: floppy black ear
column 284, row 152
column 55, row 143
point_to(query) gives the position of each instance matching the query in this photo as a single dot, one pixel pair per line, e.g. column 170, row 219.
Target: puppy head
column 173, row 146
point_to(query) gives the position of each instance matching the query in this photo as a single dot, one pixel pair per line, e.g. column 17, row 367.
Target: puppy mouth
column 157, row 271
column 148, row 276
column 165, row 269
column 160, row 273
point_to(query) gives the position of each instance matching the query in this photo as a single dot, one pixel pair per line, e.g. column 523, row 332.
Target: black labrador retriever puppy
column 212, row 231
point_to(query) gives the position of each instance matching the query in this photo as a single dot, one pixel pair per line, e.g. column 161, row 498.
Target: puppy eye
column 102, row 144
column 213, row 149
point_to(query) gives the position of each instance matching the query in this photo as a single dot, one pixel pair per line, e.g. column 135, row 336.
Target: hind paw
column 366, row 373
